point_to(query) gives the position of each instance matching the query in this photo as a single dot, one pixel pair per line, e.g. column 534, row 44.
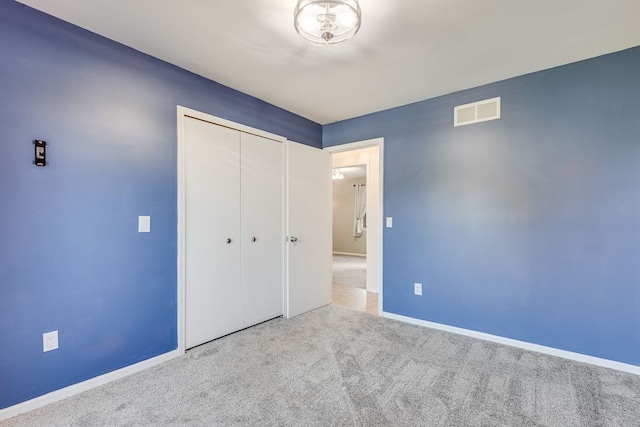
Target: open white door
column 308, row 229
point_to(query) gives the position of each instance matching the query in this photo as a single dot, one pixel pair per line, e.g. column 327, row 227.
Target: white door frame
column 182, row 114
column 376, row 142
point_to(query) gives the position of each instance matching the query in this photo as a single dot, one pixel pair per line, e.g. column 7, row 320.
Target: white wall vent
column 476, row 112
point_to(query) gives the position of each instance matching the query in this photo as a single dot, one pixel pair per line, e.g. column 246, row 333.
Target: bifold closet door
column 262, row 246
column 212, row 240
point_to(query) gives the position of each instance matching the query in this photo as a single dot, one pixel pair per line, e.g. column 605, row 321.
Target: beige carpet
column 337, row 367
column 350, row 271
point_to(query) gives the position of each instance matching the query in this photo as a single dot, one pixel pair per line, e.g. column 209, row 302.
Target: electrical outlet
column 49, row 341
column 417, row 288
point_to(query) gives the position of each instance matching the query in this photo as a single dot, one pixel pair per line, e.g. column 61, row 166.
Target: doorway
column 357, row 225
column 349, row 230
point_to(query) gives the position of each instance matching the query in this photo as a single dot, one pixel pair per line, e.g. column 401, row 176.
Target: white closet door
column 212, row 175
column 262, row 229
column 309, row 228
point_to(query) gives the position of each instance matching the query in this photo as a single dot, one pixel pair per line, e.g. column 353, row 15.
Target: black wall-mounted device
column 40, row 152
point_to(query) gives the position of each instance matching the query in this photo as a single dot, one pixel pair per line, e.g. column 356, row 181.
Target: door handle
column 293, row 239
column 228, row 241
column 254, row 239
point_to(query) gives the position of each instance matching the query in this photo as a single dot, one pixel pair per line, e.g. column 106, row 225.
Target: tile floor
column 355, row 299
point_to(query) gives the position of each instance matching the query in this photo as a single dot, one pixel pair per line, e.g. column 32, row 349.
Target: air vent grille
column 476, row 112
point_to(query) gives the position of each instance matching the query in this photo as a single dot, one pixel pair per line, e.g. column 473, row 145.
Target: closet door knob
column 293, row 239
column 254, row 239
column 228, row 241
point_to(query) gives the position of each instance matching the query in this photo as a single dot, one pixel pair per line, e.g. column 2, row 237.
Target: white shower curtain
column 360, row 210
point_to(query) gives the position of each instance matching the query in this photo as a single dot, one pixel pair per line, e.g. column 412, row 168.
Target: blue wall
column 527, row 227
column 71, row 258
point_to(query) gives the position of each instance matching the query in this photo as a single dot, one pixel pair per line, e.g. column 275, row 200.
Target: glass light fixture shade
column 327, row 22
column 337, row 174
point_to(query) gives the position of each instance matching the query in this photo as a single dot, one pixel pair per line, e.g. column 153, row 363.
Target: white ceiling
column 406, row 50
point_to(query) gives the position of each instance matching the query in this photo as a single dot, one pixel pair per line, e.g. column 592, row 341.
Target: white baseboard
column 74, row 389
column 606, row 363
column 350, row 254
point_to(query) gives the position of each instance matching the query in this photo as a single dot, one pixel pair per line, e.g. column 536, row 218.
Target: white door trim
column 375, row 142
column 182, row 114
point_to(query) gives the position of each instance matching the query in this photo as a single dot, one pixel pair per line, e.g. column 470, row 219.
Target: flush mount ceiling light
column 327, row 22
column 337, row 174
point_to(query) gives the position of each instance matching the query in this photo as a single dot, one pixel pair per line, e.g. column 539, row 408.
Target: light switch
column 417, row 288
column 144, row 224
column 389, row 222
